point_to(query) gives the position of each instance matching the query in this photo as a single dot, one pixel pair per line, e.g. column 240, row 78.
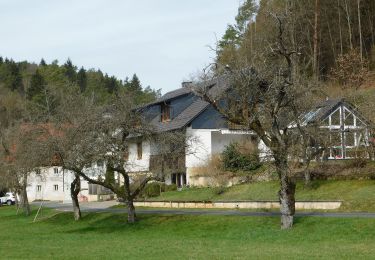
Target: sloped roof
column 168, row 96
column 214, row 86
column 322, row 110
column 325, row 108
column 182, row 119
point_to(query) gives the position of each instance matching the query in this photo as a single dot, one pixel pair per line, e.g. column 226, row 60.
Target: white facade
column 207, row 143
column 53, row 184
column 201, row 145
column 139, row 156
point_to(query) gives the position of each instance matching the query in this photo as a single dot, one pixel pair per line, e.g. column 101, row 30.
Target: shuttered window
column 165, row 112
column 139, row 150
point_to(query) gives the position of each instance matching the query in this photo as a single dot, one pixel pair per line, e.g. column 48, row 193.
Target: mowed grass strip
column 357, row 195
column 107, row 236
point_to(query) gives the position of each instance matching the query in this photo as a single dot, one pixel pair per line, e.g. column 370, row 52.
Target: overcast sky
column 163, row 41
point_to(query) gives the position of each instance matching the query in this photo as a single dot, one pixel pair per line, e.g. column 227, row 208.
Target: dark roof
column 325, row 108
column 168, row 96
column 182, row 119
column 214, row 86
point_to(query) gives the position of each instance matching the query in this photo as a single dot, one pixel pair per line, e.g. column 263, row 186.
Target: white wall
column 221, row 139
column 204, row 143
column 199, row 146
column 47, row 179
column 135, row 165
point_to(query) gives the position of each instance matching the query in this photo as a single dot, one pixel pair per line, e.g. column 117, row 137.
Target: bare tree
column 23, row 149
column 94, row 132
column 360, row 29
column 316, row 38
column 264, row 94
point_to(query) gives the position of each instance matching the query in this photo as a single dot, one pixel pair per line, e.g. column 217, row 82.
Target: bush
column 350, row 70
column 357, row 163
column 237, row 158
column 153, row 189
column 172, row 187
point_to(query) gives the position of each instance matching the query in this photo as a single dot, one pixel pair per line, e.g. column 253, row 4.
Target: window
column 139, row 150
column 335, row 118
column 38, row 187
column 37, row 171
column 56, row 170
column 165, row 112
column 55, row 187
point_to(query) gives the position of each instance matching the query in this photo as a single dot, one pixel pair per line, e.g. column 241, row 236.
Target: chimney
column 187, row 84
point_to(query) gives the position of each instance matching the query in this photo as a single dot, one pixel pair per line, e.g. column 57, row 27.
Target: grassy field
column 106, row 236
column 357, row 195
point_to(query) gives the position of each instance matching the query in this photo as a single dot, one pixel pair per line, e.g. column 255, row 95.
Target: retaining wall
column 238, row 204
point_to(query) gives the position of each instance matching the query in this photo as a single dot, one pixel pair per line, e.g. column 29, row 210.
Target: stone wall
column 238, row 204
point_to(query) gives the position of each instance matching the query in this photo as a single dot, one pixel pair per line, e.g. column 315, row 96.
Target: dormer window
column 165, row 112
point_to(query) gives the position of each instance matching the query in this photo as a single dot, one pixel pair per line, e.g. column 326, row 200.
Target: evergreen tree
column 37, row 86
column 110, row 175
column 82, row 79
column 135, row 84
column 10, row 76
column 110, row 83
column 42, row 62
column 70, row 71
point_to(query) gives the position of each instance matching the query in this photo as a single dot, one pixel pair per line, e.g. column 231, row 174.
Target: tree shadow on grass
column 99, row 223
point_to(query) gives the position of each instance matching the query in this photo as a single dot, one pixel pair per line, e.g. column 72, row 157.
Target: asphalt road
column 105, row 207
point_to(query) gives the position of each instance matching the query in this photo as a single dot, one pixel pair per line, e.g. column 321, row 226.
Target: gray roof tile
column 181, row 120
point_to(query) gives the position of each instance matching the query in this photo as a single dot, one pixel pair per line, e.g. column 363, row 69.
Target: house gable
column 209, row 119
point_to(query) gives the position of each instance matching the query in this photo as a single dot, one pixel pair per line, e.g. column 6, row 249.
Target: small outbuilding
column 347, row 130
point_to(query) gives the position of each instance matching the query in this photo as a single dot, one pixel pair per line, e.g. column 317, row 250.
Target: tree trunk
column 360, row 29
column 24, row 200
column 131, row 211
column 349, row 24
column 286, row 194
column 340, row 30
column 306, row 171
column 129, row 199
column 75, row 188
column 316, row 39
column 307, row 175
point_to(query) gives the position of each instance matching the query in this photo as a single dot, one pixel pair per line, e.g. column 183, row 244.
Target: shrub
column 243, row 158
column 153, row 189
column 351, row 70
column 172, row 187
column 357, row 163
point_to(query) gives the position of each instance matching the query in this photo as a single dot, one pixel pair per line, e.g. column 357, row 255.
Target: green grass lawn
column 107, row 236
column 357, row 195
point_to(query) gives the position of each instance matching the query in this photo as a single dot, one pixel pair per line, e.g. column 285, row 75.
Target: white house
column 53, row 184
column 207, row 132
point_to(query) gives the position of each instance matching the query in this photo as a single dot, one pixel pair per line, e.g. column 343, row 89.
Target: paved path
column 104, row 207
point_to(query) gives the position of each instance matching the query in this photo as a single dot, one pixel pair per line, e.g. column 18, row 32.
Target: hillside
column 357, row 195
column 31, row 80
